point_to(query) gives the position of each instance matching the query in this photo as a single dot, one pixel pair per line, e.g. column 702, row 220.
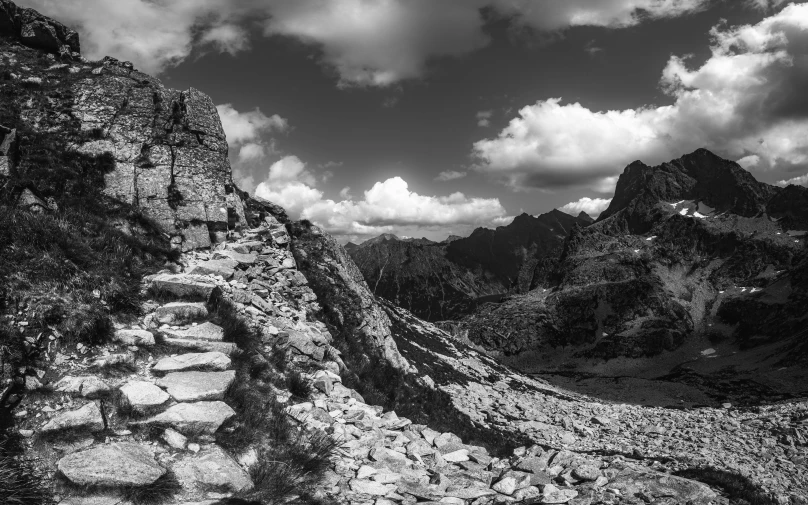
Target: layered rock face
column 167, row 147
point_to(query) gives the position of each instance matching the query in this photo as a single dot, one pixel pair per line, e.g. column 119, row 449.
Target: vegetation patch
column 21, row 482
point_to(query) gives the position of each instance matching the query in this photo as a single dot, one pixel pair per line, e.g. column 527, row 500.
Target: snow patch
column 652, row 237
column 708, row 352
column 683, row 212
column 699, row 215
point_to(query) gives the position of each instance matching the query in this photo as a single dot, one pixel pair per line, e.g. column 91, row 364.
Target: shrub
column 235, row 328
column 298, row 385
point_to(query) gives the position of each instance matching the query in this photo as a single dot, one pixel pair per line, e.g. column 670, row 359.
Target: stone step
column 193, row 361
column 176, row 313
column 143, row 396
column 227, row 348
column 244, row 259
column 115, row 464
column 196, row 386
column 205, row 331
column 212, row 468
column 184, row 285
column 192, row 418
column 133, row 337
column 225, row 267
column 87, row 417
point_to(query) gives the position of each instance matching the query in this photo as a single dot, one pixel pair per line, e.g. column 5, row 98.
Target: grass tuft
column 160, row 491
column 236, row 329
column 21, row 483
column 299, row 386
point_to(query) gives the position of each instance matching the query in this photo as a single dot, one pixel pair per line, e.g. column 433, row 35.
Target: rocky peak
column 384, row 237
column 34, row 30
column 583, row 216
column 700, row 175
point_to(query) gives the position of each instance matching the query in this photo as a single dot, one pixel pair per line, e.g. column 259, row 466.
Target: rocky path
column 144, row 412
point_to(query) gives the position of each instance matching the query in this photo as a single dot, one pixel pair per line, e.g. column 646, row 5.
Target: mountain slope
column 445, row 280
column 688, row 254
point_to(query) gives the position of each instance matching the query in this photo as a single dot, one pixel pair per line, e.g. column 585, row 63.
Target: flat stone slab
column 87, row 417
column 201, row 345
column 244, row 259
column 133, row 337
column 212, row 468
column 225, row 267
column 193, row 418
column 183, row 285
column 116, row 464
column 181, row 312
column 207, row 361
column 87, row 386
column 195, row 386
column 204, row 331
column 142, row 395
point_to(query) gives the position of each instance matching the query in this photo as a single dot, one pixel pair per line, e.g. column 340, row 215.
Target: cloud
column 251, row 152
column 450, row 175
column 367, row 42
column 390, row 204
column 288, row 183
column 797, row 181
column 592, row 206
column 484, row 118
column 746, row 100
column 345, row 193
column 241, row 127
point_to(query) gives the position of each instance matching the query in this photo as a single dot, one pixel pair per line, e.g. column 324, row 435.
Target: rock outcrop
column 166, row 148
column 37, row 31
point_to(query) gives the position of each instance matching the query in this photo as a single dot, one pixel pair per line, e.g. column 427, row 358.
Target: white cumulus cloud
column 390, row 205
column 288, row 183
column 747, row 101
column 241, row 127
column 592, row 206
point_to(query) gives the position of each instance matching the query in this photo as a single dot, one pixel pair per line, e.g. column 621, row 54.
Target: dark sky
column 356, row 135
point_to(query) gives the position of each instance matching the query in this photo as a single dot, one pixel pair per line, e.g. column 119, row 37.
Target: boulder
column 227, row 348
column 195, row 386
column 87, row 418
column 243, row 259
column 115, row 464
column 208, row 361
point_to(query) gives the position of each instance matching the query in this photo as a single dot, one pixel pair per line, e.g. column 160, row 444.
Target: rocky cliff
column 169, row 154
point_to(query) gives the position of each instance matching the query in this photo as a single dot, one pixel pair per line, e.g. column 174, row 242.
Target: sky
column 430, row 118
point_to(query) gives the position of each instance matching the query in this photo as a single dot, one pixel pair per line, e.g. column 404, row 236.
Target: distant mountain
column 691, row 249
column 445, row 280
column 585, row 217
column 520, row 255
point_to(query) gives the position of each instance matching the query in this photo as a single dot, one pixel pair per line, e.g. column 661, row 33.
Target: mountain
column 445, row 280
column 155, row 353
column 519, row 255
column 583, row 216
column 694, row 253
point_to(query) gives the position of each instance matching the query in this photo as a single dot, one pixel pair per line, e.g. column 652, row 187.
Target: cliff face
column 168, row 149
